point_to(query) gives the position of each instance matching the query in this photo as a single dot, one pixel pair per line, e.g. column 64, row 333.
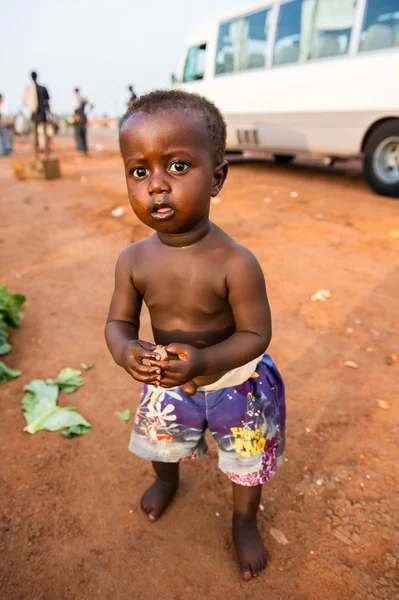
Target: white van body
column 305, row 98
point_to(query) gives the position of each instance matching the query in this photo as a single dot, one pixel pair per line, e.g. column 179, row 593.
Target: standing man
column 37, row 100
column 80, row 121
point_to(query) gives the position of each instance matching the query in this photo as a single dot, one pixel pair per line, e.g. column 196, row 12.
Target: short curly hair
column 178, row 100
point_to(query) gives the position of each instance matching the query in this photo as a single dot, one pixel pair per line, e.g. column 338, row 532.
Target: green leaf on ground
column 6, row 374
column 124, row 414
column 87, row 367
column 9, row 305
column 41, row 410
column 76, row 430
column 68, row 380
column 5, row 347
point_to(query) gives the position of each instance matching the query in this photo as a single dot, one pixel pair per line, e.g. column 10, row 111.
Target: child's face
column 169, row 170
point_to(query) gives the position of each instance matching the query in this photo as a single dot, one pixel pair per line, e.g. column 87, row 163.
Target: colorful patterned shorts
column 247, row 422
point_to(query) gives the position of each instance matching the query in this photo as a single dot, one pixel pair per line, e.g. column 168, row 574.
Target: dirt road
column 71, row 527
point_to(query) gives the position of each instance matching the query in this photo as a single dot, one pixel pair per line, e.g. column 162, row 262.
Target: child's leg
column 249, row 546
column 160, row 494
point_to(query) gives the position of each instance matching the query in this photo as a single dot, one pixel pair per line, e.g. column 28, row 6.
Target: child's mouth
column 162, row 212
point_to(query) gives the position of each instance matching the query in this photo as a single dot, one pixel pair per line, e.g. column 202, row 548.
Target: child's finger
column 174, row 366
column 146, row 355
column 134, row 365
column 145, row 378
column 171, row 381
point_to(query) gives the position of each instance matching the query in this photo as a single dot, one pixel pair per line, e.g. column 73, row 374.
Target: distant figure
column 37, row 100
column 132, row 97
column 5, row 131
column 80, row 107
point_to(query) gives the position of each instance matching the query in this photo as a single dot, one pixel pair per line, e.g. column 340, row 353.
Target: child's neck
column 188, row 238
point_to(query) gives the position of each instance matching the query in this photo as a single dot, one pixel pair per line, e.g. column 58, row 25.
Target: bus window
column 310, row 29
column 381, row 25
column 332, row 28
column 195, row 63
column 288, row 36
column 242, row 43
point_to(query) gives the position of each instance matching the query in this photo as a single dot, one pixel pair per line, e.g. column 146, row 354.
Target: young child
column 208, row 306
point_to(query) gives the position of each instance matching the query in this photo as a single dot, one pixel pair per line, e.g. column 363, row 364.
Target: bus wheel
column 381, row 159
column 283, row 159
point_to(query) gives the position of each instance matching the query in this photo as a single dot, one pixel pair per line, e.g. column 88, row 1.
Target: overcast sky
column 98, row 45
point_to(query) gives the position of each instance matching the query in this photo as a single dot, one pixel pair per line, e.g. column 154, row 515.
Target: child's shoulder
column 133, row 255
column 136, row 249
column 236, row 254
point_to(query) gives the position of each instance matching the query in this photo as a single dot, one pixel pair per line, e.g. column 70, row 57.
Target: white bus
column 297, row 77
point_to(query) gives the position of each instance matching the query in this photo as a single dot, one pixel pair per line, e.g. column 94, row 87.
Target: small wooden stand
column 47, row 168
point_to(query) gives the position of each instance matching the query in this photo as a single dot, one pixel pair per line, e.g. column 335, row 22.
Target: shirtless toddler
column 208, row 306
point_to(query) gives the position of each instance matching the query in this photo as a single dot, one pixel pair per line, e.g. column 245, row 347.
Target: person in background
column 6, row 122
column 132, row 97
column 81, row 104
column 37, row 100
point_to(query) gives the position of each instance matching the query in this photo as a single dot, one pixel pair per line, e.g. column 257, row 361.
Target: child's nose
column 158, row 183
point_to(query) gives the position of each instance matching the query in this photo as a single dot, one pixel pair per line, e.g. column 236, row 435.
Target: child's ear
column 219, row 177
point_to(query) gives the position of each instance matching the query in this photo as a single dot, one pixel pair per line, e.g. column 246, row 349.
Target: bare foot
column 249, row 546
column 157, row 498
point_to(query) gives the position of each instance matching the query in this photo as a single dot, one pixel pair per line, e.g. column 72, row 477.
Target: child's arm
column 123, row 324
column 248, row 300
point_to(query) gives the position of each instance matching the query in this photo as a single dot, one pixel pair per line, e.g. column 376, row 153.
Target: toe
column 155, row 513
column 257, row 568
column 246, row 572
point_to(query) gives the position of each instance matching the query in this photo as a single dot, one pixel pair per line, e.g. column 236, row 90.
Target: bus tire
column 283, row 159
column 381, row 159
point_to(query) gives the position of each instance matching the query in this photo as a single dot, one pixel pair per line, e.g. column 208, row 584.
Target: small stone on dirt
column 118, row 212
column 342, row 538
column 321, row 296
column 383, row 404
column 392, row 359
column 351, row 364
column 278, row 536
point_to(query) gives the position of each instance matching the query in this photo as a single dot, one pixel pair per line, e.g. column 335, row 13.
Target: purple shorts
column 247, row 421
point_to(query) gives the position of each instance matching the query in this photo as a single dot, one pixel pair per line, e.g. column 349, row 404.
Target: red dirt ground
column 71, row 527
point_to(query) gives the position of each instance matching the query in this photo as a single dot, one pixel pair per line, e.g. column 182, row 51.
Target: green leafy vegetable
column 9, row 305
column 124, row 414
column 5, row 347
column 41, row 410
column 68, row 380
column 6, row 374
column 76, row 430
column 9, row 316
column 87, row 367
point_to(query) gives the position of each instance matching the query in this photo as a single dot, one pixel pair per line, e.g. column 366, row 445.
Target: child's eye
column 138, row 172
column 178, row 167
